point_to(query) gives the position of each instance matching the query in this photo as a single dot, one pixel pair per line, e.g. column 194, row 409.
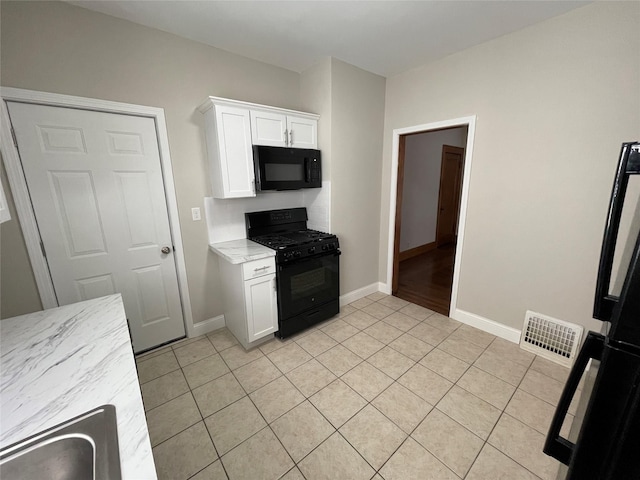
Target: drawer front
column 258, row 268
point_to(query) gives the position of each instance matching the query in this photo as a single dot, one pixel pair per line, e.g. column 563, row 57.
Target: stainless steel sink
column 85, row 447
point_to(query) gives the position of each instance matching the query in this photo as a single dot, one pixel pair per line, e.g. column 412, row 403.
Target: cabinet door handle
column 291, row 138
column 286, row 138
column 261, row 268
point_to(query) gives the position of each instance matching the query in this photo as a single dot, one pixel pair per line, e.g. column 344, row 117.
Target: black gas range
column 307, row 267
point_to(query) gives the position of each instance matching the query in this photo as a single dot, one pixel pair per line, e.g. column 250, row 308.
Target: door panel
column 96, row 186
column 449, row 196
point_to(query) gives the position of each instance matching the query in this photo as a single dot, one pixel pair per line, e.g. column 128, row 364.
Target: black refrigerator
column 606, row 443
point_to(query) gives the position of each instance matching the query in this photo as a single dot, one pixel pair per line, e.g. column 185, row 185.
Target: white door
column 303, row 132
column 268, row 128
column 96, row 187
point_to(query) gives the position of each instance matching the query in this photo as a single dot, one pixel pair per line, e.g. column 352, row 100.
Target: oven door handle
column 333, row 253
column 556, row 446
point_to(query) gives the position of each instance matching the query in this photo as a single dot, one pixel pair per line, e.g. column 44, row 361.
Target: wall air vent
column 550, row 338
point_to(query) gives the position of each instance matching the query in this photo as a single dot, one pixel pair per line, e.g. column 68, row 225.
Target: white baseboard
column 490, row 326
column 208, row 325
column 359, row 293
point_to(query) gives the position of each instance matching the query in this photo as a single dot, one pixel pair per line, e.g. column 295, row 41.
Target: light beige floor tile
column 474, row 335
column 217, row 394
column 293, row 474
column 215, row 471
column 301, row 430
column 335, row 459
column 489, row 388
column 256, row 374
column 377, row 296
column 428, row 333
column 340, row 330
column 222, row 339
column 531, row 411
column 510, row 372
column 416, row 311
column 511, row 352
column 157, row 366
column 338, row 402
column 401, row 321
column 316, row 343
column 363, row 345
column 310, row 377
column 162, row 389
column 260, row 457
column 402, row 406
column 465, row 351
column 391, row 362
column 234, row 424
column 236, row 356
column 205, row 370
column 361, row 302
column 276, row 398
column 378, row 310
column 289, row 357
column 185, row 341
column 383, row 332
column 273, row 345
column 442, row 322
column 185, row 454
column 194, row 351
column 550, row 369
column 445, row 365
column 426, row 384
column 412, row 462
column 542, row 386
column 524, row 445
column 393, row 302
column 411, row 347
column 450, row 442
column 345, row 310
column 494, row 465
column 373, row 435
column 360, row 319
column 171, row 418
column 152, row 353
column 470, row 411
column 367, row 380
column 339, row 360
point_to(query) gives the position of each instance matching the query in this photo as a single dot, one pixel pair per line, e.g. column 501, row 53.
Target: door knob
column 166, row 250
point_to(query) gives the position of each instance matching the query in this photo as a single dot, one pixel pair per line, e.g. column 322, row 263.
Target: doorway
column 431, row 163
column 99, row 204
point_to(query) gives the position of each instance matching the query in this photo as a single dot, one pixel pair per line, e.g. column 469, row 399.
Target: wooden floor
column 427, row 279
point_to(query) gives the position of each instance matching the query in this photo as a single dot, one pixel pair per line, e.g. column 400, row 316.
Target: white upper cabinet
column 233, row 127
column 279, row 130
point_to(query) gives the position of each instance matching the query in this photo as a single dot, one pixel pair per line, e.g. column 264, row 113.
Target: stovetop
column 282, row 240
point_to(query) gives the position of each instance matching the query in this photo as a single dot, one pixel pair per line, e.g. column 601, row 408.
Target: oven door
column 307, row 283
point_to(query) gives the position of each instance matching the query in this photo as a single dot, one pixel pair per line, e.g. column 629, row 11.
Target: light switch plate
column 195, row 214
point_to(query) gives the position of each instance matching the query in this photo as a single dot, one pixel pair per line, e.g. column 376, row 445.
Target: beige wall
column 357, row 112
column 553, row 104
column 56, row 47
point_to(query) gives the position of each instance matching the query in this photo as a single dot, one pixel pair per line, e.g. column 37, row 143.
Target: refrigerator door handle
column 556, row 446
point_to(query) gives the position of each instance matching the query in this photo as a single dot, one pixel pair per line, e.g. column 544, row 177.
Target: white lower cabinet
column 250, row 300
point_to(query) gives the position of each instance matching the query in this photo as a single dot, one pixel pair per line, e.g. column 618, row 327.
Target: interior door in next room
column 449, row 196
column 95, row 182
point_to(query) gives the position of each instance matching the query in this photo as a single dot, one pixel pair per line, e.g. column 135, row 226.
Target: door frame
column 470, row 123
column 24, row 209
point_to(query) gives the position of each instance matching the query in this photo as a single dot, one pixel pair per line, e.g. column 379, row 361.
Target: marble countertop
column 241, row 251
column 59, row 363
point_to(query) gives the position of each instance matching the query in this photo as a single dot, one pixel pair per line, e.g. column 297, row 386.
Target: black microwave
column 280, row 168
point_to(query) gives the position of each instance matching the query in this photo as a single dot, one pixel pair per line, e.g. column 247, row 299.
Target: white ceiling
column 383, row 37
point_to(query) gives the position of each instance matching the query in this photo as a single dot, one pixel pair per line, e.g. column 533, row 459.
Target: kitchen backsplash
column 225, row 218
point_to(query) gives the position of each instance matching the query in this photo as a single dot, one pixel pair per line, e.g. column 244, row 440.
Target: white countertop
column 241, row 251
column 59, row 363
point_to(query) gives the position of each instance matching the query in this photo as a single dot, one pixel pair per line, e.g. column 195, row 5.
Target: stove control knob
column 312, row 250
column 297, row 253
column 325, row 247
